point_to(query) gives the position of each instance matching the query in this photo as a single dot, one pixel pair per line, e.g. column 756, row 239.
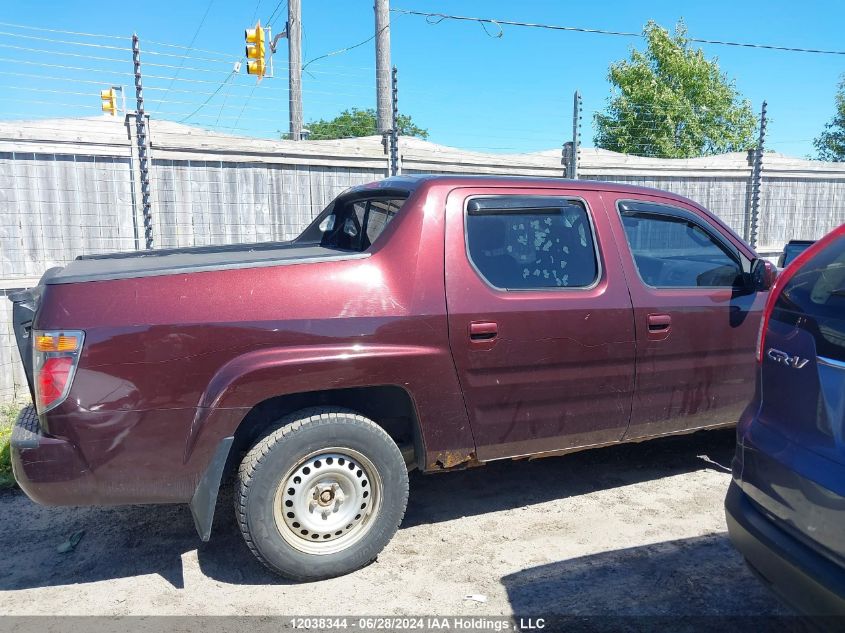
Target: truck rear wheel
column 321, row 494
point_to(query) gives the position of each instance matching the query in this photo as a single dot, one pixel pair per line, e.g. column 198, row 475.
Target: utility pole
column 294, row 31
column 383, row 66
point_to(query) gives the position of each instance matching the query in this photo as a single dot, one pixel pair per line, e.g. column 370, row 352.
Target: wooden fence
column 70, row 187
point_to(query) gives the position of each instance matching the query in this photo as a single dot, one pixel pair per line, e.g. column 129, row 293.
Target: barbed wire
column 64, row 32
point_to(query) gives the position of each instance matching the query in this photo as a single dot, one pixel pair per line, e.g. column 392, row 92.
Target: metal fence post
column 566, row 158
column 134, row 178
column 143, row 144
column 394, row 124
column 756, row 181
column 575, row 155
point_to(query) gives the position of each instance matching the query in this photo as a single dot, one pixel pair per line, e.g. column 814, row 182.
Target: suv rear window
column 814, row 300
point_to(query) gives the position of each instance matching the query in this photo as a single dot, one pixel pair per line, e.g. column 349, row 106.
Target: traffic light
column 255, row 51
column 109, row 98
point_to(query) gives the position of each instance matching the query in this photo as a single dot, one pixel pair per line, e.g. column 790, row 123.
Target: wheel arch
column 390, row 406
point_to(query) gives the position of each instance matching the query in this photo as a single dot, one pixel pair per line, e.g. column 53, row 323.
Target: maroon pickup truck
column 428, row 322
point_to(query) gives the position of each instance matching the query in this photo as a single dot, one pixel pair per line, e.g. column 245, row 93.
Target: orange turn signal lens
column 45, row 344
column 68, row 343
column 56, row 343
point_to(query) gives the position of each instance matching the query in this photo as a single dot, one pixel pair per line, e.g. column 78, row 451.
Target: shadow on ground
column 505, row 485
column 699, row 576
column 138, row 540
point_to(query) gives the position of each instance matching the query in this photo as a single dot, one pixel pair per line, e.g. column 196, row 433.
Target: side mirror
column 763, row 275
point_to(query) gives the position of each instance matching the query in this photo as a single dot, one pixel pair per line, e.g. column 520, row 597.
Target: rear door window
column 531, row 242
column 672, row 250
column 814, row 300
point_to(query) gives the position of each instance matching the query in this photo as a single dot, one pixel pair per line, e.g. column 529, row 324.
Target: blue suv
column 786, row 503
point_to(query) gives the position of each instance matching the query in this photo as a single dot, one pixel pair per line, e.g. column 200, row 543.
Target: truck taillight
column 55, row 358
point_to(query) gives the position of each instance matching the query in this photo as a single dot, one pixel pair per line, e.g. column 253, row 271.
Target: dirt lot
column 636, row 529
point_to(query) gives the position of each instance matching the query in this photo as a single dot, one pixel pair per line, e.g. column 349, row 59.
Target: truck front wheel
column 321, row 494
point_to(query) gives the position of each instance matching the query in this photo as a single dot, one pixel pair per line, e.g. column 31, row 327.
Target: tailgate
column 24, row 308
column 25, row 305
column 802, row 377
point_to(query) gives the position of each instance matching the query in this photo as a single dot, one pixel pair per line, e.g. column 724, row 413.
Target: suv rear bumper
column 807, row 580
column 45, row 467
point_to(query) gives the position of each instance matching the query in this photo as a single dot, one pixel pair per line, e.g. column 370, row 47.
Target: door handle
column 482, row 331
column 658, row 322
column 658, row 326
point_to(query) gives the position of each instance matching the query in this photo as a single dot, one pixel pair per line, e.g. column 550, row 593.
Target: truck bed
column 189, row 260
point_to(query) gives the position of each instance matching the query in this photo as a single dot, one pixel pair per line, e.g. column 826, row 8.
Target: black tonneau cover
column 194, row 259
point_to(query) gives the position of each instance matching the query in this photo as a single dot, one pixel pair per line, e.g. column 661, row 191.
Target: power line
column 255, row 12
column 252, row 91
column 246, row 101
column 223, row 105
column 348, row 48
column 233, row 72
column 210, row 97
column 190, row 46
column 437, row 18
column 275, row 11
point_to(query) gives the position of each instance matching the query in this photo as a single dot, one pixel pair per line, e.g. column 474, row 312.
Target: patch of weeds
column 8, row 414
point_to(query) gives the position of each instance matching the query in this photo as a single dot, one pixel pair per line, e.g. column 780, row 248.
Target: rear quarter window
column 814, row 300
column 352, row 225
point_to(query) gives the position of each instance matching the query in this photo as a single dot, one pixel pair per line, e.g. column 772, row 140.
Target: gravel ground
column 633, row 529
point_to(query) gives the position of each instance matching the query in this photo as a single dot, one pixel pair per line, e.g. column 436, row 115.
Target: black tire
column 281, row 451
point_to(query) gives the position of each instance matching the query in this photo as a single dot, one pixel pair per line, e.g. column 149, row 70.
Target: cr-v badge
column 785, row 359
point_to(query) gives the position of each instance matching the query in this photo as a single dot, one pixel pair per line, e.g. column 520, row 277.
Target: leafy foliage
column 830, row 144
column 670, row 101
column 8, row 414
column 358, row 122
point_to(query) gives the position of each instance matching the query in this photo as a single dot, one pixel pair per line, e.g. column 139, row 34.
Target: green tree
column 358, row 122
column 670, row 101
column 831, row 143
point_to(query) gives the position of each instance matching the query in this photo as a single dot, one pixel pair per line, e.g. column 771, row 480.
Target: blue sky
column 471, row 90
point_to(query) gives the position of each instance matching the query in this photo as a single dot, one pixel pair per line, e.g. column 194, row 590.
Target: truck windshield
column 352, row 225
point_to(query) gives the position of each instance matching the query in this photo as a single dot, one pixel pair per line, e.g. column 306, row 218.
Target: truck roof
column 412, row 181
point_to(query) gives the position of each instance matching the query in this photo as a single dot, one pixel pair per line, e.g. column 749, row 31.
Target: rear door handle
column 483, row 331
column 658, row 326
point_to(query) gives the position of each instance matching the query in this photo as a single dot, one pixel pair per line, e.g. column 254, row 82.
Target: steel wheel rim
column 328, row 501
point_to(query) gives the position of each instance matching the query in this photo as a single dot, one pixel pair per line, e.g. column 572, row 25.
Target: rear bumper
column 809, row 581
column 45, row 467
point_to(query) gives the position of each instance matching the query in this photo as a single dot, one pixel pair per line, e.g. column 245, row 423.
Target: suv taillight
column 770, row 304
column 55, row 358
column 783, row 279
